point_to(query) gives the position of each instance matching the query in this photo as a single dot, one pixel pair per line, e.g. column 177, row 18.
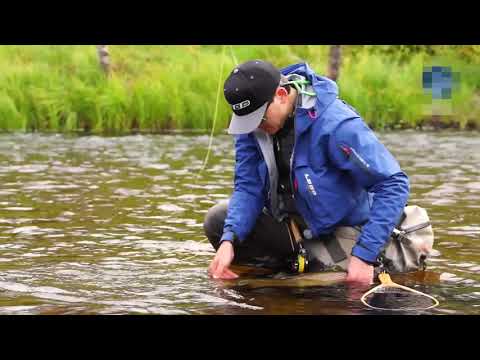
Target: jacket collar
column 326, row 90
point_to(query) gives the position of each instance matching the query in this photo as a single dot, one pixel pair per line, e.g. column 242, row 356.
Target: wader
column 269, row 244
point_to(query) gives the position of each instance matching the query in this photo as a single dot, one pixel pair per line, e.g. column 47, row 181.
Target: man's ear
column 281, row 92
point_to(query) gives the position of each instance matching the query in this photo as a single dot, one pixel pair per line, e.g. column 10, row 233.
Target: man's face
column 277, row 112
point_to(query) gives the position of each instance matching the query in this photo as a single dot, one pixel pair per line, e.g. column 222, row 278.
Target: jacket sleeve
column 354, row 148
column 249, row 195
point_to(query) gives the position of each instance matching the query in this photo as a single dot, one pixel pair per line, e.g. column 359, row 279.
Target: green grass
column 153, row 88
column 390, row 94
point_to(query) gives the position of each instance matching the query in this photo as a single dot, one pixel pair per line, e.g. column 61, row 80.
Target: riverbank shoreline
column 432, row 128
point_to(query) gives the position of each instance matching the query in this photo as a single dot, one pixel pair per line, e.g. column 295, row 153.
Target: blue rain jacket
column 342, row 174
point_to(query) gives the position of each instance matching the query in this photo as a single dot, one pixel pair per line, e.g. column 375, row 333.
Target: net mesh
column 393, row 298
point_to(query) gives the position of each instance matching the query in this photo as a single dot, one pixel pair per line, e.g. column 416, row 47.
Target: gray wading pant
column 269, row 244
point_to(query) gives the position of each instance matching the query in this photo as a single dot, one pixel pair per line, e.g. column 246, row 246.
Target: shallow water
column 95, row 225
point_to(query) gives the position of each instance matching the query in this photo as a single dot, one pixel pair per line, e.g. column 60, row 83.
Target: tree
column 104, row 58
column 334, row 62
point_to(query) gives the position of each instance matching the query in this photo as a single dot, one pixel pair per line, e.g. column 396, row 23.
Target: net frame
column 386, row 282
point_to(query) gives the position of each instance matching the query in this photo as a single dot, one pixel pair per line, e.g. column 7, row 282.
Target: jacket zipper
column 268, row 173
column 294, row 145
column 291, row 157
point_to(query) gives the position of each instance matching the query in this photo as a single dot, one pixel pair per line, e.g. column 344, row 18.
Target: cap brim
column 247, row 123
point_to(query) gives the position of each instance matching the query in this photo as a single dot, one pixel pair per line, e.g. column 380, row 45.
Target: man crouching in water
column 303, row 157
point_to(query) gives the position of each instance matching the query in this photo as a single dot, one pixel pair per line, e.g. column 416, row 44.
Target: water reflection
column 94, row 225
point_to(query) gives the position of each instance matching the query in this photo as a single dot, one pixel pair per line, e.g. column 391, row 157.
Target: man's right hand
column 218, row 268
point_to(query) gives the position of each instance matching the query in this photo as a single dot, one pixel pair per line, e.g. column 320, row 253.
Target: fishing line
column 205, row 161
column 233, row 55
column 210, row 143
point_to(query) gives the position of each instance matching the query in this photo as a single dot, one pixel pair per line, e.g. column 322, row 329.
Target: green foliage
column 152, row 88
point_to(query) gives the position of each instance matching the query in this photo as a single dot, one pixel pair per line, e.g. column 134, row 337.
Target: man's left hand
column 359, row 271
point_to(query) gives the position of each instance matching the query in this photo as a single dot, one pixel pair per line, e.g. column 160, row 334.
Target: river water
column 113, row 225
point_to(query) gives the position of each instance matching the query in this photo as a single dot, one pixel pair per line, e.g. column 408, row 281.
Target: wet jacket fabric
column 341, row 174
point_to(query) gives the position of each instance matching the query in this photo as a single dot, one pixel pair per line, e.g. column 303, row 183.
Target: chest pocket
column 326, row 195
column 318, row 158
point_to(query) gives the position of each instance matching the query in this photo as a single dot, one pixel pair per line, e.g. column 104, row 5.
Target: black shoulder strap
column 416, row 227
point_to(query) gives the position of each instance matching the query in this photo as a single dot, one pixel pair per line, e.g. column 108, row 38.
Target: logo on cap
column 241, row 105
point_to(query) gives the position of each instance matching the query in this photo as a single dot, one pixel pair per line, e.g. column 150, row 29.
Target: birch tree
column 334, row 62
column 104, row 58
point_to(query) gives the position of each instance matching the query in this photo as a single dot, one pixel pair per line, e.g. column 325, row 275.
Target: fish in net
column 392, row 296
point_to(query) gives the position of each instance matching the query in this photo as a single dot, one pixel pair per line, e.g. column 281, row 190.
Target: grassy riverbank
column 152, row 88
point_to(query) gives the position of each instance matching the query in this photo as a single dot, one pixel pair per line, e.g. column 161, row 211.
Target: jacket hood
column 326, row 89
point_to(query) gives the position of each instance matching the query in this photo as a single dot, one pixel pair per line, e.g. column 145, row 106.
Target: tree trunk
column 335, row 58
column 104, row 58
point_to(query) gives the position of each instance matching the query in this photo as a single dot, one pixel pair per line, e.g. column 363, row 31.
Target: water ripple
column 115, row 225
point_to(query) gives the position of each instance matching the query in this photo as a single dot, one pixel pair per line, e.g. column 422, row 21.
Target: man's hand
column 359, row 272
column 218, row 268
